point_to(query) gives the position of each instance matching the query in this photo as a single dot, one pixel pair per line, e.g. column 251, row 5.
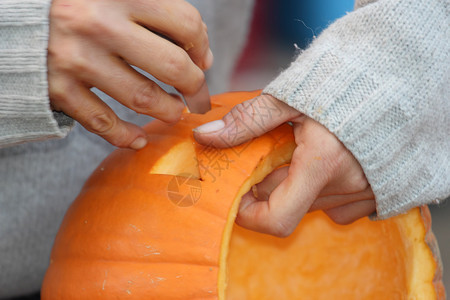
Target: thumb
column 245, row 121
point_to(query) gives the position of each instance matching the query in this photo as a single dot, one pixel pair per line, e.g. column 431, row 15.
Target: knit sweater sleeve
column 25, row 113
column 379, row 79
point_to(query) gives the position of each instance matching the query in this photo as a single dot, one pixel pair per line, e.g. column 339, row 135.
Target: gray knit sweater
column 378, row 79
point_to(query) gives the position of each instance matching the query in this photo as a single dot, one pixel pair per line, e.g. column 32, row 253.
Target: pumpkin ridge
column 136, row 261
column 145, row 188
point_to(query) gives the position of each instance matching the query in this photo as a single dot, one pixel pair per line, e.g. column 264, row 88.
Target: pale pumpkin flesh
column 322, row 260
column 127, row 237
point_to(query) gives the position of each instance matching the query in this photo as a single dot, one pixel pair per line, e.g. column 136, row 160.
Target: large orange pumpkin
column 159, row 224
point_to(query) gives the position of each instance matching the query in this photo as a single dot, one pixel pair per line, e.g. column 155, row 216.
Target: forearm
column 378, row 79
column 25, row 113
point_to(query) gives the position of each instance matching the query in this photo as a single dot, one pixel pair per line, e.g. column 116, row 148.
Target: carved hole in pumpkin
column 180, row 160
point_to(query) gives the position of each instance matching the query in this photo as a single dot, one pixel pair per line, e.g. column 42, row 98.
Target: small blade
column 200, row 102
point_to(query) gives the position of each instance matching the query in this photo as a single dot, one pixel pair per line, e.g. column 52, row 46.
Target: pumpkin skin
column 159, row 224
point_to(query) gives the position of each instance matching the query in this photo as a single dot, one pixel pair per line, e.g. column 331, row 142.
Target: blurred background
column 278, row 30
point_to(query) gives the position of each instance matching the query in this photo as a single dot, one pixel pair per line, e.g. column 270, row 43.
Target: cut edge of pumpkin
column 417, row 236
column 420, row 239
column 179, row 161
column 269, row 163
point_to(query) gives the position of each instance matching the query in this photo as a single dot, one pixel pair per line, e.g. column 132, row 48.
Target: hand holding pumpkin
column 323, row 174
column 93, row 44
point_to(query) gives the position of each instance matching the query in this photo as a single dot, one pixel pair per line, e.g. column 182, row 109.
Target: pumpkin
column 159, row 224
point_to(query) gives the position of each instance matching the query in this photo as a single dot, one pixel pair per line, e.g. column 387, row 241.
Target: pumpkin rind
column 155, row 224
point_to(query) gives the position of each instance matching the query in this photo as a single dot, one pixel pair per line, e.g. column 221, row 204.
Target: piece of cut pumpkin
column 159, row 224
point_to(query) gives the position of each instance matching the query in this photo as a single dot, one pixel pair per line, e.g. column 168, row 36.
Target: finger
column 351, row 212
column 120, row 81
column 331, row 201
column 199, row 103
column 290, row 201
column 181, row 22
column 259, row 192
column 245, row 121
column 159, row 57
column 82, row 105
column 262, row 190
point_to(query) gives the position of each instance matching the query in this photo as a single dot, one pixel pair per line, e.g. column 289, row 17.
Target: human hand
column 323, row 174
column 93, row 44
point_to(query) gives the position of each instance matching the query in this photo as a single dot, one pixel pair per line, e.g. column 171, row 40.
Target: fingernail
column 208, row 60
column 138, row 143
column 210, row 127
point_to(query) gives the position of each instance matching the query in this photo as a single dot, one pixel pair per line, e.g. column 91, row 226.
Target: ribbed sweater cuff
column 358, row 80
column 25, row 113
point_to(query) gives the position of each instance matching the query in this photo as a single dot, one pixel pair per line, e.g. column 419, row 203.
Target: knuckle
column 61, row 91
column 239, row 112
column 96, row 27
column 60, row 17
column 68, row 20
column 145, row 98
column 58, row 90
column 86, row 18
column 244, row 113
column 177, row 65
column 359, row 182
column 69, row 59
column 101, row 123
column 78, row 64
column 184, row 74
column 282, row 229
